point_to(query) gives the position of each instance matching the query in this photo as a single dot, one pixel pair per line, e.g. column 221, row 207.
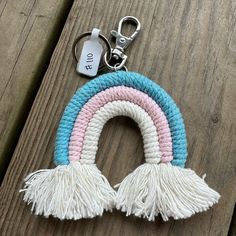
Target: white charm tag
column 91, row 55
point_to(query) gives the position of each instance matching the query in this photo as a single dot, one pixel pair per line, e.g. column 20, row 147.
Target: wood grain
column 232, row 229
column 189, row 48
column 29, row 30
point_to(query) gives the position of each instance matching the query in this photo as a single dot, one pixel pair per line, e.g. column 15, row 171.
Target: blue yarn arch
column 129, row 79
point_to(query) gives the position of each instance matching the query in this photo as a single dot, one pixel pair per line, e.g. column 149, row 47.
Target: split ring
column 103, row 38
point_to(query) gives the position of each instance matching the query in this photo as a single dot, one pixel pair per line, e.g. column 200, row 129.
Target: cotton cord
column 128, row 79
column 76, row 189
column 170, row 191
column 71, row 191
column 121, row 108
column 125, row 94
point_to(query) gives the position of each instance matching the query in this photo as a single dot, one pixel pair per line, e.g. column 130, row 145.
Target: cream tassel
column 71, row 191
column 162, row 188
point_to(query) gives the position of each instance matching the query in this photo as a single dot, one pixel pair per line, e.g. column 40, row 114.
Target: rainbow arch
column 121, row 93
column 77, row 189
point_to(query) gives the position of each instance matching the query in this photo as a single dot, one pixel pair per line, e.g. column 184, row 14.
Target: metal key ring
column 104, row 39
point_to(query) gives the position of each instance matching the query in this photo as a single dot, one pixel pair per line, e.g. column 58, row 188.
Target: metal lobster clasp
column 122, row 42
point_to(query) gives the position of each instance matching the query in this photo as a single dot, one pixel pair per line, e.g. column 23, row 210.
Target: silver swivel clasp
column 122, row 42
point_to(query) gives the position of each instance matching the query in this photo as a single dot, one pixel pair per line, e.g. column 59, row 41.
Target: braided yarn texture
column 121, row 93
column 123, row 108
column 127, row 79
column 77, row 189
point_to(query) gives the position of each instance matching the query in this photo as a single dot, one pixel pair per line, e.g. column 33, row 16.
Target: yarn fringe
column 164, row 189
column 71, row 191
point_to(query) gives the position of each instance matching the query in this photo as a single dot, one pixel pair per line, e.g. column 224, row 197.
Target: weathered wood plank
column 188, row 47
column 232, row 229
column 29, row 30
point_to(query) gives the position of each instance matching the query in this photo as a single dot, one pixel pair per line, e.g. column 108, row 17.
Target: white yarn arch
column 121, row 108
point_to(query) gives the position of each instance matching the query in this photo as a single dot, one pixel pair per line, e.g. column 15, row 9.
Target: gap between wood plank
column 18, row 124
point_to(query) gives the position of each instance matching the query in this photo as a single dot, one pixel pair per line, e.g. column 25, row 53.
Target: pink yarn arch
column 127, row 94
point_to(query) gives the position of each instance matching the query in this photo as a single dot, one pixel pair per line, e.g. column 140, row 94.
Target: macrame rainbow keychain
column 76, row 189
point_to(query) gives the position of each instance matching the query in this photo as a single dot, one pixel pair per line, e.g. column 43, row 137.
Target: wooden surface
column 29, row 30
column 189, row 48
column 232, row 229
